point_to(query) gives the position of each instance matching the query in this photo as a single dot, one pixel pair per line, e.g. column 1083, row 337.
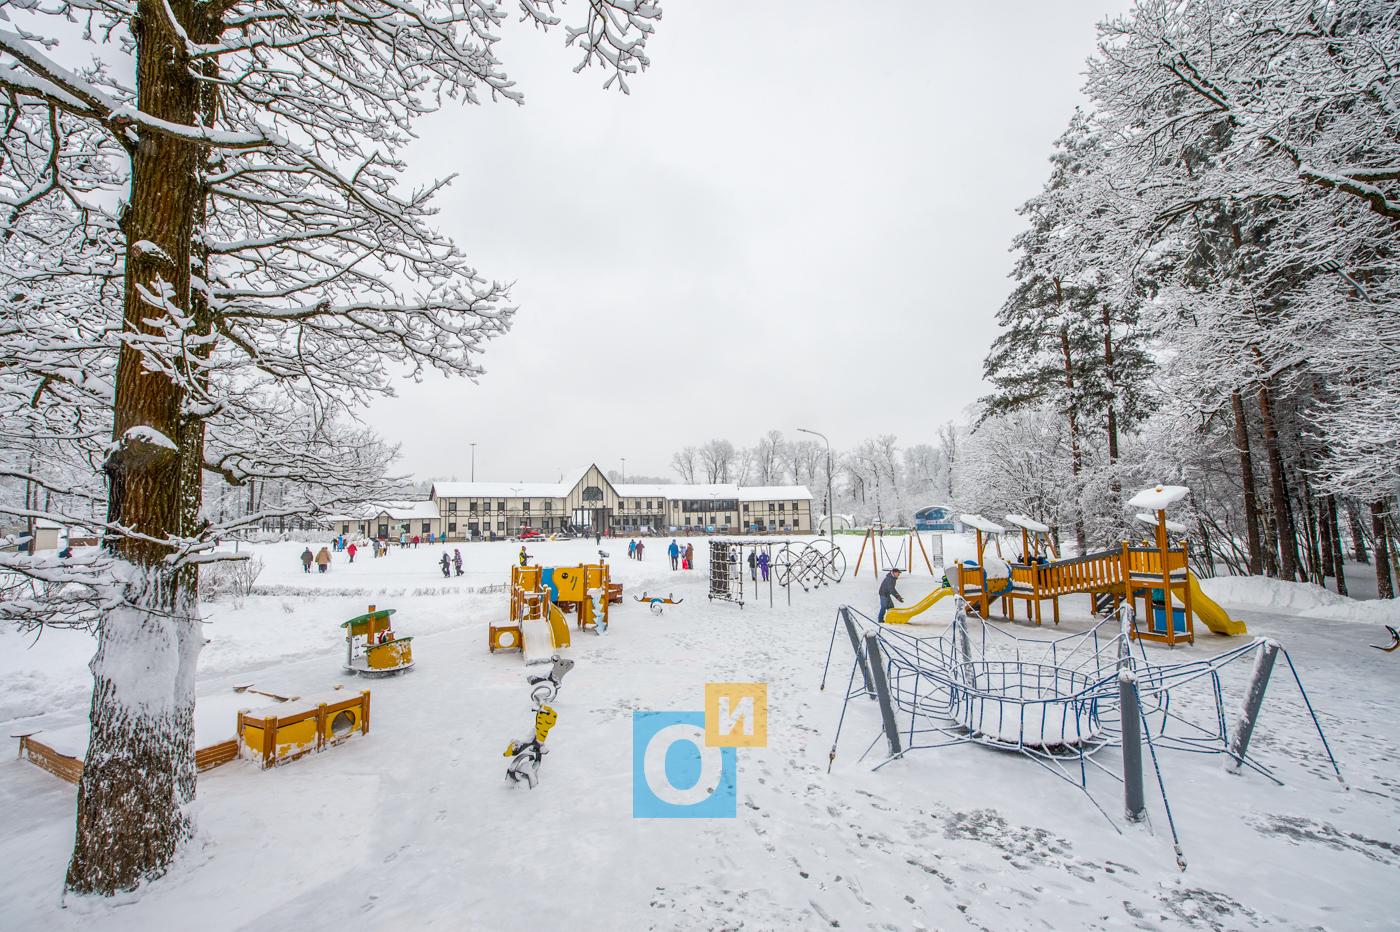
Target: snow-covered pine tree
column 265, row 263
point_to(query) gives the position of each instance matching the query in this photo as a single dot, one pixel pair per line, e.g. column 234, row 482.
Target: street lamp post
column 830, row 502
column 515, row 496
column 624, row 467
column 473, row 462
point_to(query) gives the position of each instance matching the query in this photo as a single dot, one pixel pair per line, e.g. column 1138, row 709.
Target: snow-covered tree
column 262, row 273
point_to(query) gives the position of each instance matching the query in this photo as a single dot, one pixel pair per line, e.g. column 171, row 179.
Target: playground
column 412, row 823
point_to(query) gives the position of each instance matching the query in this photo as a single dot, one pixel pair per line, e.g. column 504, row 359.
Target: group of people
column 758, row 563
column 455, row 560
column 634, row 549
column 681, row 559
column 322, row 560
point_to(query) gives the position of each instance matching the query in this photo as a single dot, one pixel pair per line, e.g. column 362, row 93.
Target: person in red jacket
column 351, row 550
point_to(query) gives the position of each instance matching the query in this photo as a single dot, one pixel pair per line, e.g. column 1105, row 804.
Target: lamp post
column 830, row 502
column 624, row 467
column 515, row 495
column 473, row 462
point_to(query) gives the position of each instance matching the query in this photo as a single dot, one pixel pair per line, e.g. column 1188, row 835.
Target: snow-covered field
column 414, row 826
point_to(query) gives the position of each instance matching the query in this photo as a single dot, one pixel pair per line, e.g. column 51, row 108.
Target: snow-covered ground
column 414, row 826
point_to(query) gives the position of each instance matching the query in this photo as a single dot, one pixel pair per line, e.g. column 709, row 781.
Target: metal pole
column 473, row 462
column 855, row 645
column 1253, row 700
column 830, row 502
column 1134, row 803
column 882, row 690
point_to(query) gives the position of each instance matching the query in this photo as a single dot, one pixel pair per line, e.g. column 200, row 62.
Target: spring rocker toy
column 527, row 752
column 545, row 688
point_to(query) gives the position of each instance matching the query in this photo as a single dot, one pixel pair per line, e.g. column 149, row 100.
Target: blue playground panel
column 1159, row 620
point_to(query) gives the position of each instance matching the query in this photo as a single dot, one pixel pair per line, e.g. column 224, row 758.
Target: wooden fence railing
column 71, row 768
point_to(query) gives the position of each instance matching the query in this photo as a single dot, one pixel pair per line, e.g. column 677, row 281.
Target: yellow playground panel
column 902, row 614
column 279, row 734
column 541, row 596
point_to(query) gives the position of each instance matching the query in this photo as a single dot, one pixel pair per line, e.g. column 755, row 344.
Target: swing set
column 903, row 559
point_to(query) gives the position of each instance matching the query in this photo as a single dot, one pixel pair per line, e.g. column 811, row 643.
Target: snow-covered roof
column 1159, row 497
column 982, row 524
column 404, row 510
column 1172, row 526
column 1029, row 524
column 502, row 489
column 721, row 491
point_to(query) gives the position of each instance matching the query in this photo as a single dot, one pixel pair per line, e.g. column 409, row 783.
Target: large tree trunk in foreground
column 139, row 770
column 1336, row 533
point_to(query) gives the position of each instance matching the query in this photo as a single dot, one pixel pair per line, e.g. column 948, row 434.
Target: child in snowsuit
column 446, row 564
column 457, row 561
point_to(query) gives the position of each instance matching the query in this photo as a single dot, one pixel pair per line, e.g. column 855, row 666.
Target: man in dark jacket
column 887, row 593
column 306, row 558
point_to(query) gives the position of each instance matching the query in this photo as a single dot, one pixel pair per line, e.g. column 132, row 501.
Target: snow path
column 414, row 826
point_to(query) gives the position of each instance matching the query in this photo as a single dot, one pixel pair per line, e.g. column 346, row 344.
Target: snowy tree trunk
column 1074, row 453
column 1358, row 535
column 1251, row 499
column 1287, row 536
column 139, row 770
column 1385, row 587
column 1336, row 534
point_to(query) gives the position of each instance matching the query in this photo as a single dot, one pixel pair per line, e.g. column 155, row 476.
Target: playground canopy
column 1158, row 497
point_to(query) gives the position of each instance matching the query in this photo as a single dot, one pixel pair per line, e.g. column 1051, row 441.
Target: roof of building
column 746, row 493
column 401, row 510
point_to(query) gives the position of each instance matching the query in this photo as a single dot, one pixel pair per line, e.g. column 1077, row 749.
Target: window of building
column 500, row 506
column 452, row 526
column 772, row 507
column 795, row 524
column 746, row 507
column 525, row 505
column 794, row 506
column 471, row 506
column 548, row 506
column 592, row 494
column 500, row 525
column 648, row 506
column 782, row 506
column 345, row 529
column 452, row 506
column 427, row 527
column 472, row 526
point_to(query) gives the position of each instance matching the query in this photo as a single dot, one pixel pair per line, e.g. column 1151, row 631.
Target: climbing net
column 1061, row 703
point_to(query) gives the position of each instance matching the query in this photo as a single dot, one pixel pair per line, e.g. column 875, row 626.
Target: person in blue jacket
column 675, row 551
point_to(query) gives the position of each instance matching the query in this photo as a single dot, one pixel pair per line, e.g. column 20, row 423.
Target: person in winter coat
column 446, row 564
column 763, row 565
column 675, row 551
column 416, row 539
column 598, row 539
column 887, row 593
column 631, row 550
column 351, row 550
column 524, row 557
column 323, row 559
column 306, row 560
column 457, row 561
column 690, row 556
column 753, row 566
column 640, row 545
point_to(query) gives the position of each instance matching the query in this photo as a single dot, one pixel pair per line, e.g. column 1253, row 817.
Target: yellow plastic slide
column 1204, row 608
column 901, row 616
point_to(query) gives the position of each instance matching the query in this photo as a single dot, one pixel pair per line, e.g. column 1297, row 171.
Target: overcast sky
column 800, row 217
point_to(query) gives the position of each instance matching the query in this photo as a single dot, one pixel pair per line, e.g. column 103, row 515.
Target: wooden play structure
column 1155, row 571
column 281, row 733
column 903, row 559
column 371, row 648
column 541, row 597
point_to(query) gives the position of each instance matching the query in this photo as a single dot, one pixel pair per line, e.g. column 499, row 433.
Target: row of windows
column 500, row 506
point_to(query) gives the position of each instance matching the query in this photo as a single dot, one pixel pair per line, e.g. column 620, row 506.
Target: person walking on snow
column 446, row 565
column 690, row 556
column 640, row 545
column 753, row 566
column 887, row 593
column 524, row 557
column 763, row 565
column 457, row 561
column 351, row 550
column 675, row 551
column 631, row 550
column 306, row 559
column 323, row 559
